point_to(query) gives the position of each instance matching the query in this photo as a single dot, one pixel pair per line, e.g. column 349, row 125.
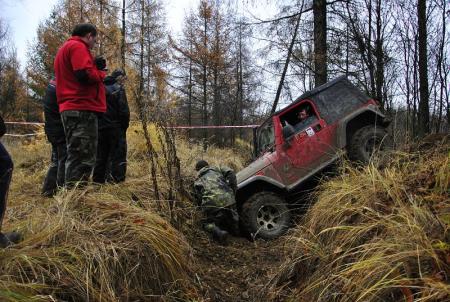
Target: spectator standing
column 55, row 134
column 119, row 159
column 6, row 169
column 110, row 128
column 81, row 97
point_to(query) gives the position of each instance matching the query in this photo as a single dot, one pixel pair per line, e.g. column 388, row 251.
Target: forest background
column 229, row 67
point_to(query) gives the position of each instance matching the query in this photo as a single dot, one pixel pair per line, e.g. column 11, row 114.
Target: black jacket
column 117, row 113
column 53, row 124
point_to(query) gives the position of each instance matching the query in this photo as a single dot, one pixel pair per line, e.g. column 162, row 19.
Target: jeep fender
column 256, row 184
column 361, row 117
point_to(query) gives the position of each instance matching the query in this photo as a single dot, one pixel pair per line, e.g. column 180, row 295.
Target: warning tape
column 211, row 127
column 20, row 135
column 171, row 127
column 25, row 123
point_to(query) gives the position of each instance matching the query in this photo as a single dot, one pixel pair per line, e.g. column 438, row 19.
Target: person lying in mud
column 214, row 191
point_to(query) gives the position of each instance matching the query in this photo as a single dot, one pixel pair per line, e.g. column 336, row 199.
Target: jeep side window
column 266, row 138
column 300, row 117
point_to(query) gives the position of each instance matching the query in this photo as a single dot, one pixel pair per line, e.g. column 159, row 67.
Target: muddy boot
column 220, row 235
column 10, row 238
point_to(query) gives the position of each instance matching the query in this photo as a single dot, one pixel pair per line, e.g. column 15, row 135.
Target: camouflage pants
column 225, row 218
column 81, row 130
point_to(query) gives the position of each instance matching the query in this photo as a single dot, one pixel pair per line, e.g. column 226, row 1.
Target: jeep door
column 307, row 149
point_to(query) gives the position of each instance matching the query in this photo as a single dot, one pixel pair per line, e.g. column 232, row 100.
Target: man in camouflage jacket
column 214, row 191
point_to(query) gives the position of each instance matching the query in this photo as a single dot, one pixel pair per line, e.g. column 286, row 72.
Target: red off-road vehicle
column 301, row 140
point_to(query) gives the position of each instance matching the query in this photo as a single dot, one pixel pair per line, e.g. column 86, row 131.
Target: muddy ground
column 238, row 271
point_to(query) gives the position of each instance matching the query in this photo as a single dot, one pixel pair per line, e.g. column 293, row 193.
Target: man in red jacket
column 81, row 97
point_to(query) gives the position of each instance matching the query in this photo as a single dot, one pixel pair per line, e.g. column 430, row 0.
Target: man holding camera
column 81, row 97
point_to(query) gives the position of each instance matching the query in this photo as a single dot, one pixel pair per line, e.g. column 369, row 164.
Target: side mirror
column 288, row 131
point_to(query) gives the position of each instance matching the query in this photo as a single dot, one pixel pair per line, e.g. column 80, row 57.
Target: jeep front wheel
column 366, row 141
column 265, row 215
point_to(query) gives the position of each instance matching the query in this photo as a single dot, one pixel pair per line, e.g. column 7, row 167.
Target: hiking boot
column 10, row 238
column 220, row 235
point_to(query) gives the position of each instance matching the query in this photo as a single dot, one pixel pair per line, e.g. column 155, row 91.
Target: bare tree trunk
column 415, row 87
column 424, row 111
column 190, row 92
column 406, row 58
column 320, row 41
column 205, row 104
column 369, row 53
column 440, row 68
column 100, row 38
column 347, row 50
column 286, row 65
column 81, row 11
column 240, row 83
column 141, row 107
column 123, row 46
column 379, row 58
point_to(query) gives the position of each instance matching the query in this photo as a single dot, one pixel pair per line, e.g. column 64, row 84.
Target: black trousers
column 106, row 148
column 6, row 169
column 119, row 158
column 56, row 172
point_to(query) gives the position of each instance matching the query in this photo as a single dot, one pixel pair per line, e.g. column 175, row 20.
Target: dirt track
column 236, row 272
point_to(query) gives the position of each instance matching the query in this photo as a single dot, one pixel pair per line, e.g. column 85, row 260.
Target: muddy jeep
column 301, row 140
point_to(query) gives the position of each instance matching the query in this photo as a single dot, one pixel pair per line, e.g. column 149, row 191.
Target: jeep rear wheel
column 366, row 141
column 265, row 215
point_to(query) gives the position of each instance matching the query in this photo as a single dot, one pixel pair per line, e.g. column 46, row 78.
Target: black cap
column 117, row 73
column 201, row 164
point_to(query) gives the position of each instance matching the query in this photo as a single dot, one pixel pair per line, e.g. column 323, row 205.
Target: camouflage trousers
column 225, row 218
column 81, row 130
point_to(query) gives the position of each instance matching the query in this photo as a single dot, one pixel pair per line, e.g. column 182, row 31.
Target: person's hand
column 100, row 62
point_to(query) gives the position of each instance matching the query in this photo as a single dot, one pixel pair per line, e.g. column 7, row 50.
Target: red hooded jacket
column 74, row 55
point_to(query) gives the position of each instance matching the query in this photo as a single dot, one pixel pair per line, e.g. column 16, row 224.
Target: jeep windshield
column 265, row 138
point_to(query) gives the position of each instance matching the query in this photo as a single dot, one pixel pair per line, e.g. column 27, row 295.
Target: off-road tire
column 265, row 215
column 366, row 141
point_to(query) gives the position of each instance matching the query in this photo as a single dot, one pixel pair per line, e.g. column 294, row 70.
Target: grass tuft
column 374, row 234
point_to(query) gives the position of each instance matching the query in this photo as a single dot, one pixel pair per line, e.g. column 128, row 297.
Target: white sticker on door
column 310, row 131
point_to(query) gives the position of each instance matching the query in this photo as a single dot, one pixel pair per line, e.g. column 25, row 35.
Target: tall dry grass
column 375, row 234
column 91, row 244
column 101, row 243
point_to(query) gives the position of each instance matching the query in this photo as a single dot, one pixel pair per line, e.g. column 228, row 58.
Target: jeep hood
column 251, row 169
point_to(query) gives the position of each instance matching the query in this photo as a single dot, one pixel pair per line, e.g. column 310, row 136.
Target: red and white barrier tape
column 211, row 127
column 21, row 135
column 170, row 127
column 25, row 123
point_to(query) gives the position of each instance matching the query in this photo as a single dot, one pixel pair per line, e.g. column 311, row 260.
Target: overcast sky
column 23, row 17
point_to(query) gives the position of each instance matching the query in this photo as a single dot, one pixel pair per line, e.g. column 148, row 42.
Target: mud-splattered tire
column 265, row 215
column 366, row 141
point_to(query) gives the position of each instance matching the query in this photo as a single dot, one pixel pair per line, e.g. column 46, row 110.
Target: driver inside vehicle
column 305, row 118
